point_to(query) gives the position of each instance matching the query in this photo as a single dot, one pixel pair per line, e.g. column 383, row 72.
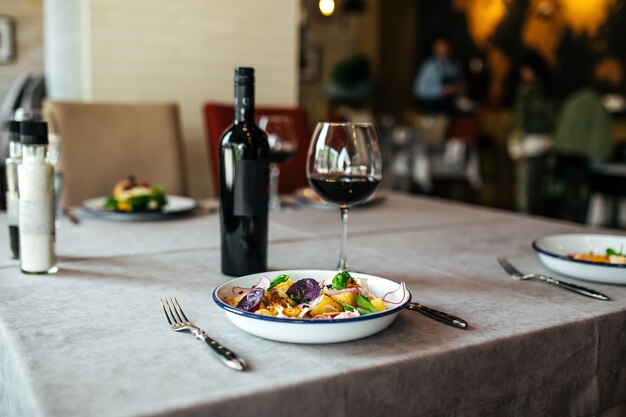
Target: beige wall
column 185, row 51
column 28, row 16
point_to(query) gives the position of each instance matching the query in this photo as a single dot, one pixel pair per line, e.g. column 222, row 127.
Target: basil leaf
column 159, row 195
column 347, row 307
column 111, row 203
column 610, row 252
column 365, row 304
column 303, row 291
column 340, row 280
column 139, row 202
column 278, row 280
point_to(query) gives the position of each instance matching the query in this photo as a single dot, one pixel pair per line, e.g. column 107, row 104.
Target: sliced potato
column 617, row 259
column 282, row 288
column 345, row 298
column 326, row 305
column 591, row 257
column 234, row 301
column 378, row 304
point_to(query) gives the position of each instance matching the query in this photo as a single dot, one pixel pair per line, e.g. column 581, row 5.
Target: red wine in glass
column 279, row 157
column 344, row 189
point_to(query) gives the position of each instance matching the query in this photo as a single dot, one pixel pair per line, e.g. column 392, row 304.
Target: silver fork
column 515, row 273
column 177, row 321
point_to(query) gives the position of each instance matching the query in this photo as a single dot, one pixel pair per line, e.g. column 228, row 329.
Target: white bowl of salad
column 311, row 306
column 590, row 257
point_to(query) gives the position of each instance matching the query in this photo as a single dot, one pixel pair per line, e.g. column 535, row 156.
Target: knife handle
column 573, row 287
column 445, row 318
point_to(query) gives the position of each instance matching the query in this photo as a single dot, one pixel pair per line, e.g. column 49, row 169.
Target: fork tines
column 176, row 314
column 507, row 266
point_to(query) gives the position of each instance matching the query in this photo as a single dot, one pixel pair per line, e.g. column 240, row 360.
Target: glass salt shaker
column 35, row 177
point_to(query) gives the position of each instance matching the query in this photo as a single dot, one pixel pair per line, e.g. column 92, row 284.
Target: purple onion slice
column 252, row 299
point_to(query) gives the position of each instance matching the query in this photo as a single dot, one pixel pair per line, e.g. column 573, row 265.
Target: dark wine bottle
column 244, row 185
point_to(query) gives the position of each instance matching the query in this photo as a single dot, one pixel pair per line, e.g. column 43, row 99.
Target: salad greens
column 365, row 304
column 610, row 251
column 340, row 280
column 278, row 280
column 140, row 202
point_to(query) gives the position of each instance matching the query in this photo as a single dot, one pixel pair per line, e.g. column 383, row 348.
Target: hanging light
column 327, row 7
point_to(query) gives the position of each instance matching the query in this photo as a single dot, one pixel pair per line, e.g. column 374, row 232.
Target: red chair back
column 293, row 174
column 466, row 128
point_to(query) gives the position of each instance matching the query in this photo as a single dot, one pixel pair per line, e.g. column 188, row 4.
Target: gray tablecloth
column 92, row 340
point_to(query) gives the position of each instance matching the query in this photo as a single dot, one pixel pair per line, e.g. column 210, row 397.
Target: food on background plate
column 611, row 256
column 130, row 195
column 342, row 296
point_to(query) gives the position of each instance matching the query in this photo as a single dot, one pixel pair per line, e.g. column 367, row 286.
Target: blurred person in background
column 584, row 127
column 582, row 139
column 532, row 128
column 438, row 81
column 436, row 86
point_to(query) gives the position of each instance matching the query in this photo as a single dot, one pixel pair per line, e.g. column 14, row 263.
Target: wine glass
column 344, row 167
column 282, row 138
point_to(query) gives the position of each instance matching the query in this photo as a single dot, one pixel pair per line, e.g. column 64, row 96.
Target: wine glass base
column 276, row 204
column 343, row 265
column 283, row 204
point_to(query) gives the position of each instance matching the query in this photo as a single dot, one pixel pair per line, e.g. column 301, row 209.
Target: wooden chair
column 293, row 174
column 101, row 143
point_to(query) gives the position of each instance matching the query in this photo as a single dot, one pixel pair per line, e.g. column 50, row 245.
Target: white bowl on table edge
column 312, row 331
column 553, row 251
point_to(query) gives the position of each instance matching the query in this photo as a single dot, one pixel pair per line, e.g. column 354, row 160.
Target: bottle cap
column 34, row 133
column 14, row 130
column 244, row 75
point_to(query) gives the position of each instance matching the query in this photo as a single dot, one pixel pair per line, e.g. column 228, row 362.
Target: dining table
column 92, row 339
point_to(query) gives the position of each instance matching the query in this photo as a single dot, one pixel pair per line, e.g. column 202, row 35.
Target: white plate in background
column 176, row 206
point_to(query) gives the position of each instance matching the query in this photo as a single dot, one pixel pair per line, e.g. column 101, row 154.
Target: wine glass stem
column 274, row 175
column 343, row 254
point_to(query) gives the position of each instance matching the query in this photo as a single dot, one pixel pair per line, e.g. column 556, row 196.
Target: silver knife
column 445, row 318
column 70, row 215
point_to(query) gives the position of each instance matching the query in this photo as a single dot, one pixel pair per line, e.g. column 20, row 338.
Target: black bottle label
column 251, row 191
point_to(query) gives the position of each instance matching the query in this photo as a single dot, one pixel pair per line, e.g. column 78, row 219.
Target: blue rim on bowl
column 558, row 256
column 232, row 309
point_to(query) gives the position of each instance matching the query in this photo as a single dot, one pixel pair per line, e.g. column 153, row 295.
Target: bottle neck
column 244, row 103
column 15, row 149
column 34, row 152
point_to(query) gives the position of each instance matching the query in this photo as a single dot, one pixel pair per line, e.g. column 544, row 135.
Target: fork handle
column 226, row 356
column 575, row 288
